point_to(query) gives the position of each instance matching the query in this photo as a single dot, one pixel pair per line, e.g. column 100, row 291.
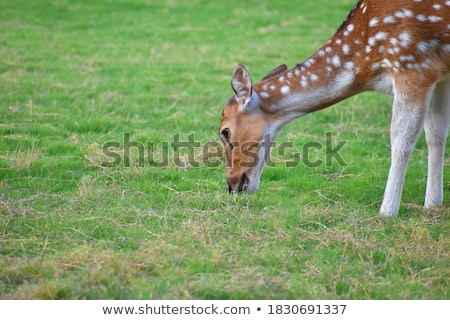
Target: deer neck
column 324, row 79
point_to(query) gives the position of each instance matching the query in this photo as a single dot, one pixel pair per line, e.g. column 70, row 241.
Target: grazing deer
column 398, row 47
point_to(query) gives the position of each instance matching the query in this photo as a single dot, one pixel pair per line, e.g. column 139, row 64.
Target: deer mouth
column 242, row 186
column 243, row 183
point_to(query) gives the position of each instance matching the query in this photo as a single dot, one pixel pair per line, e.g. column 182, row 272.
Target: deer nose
column 232, row 184
column 238, row 184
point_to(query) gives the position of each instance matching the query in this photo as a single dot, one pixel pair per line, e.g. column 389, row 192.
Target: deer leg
column 407, row 121
column 436, row 128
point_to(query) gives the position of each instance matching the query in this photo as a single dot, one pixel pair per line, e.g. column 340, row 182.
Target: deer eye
column 225, row 133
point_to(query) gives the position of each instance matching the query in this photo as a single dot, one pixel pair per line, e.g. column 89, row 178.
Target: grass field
column 78, row 75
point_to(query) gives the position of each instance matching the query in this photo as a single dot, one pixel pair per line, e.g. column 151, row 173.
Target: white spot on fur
column 399, row 14
column 373, row 22
column 349, row 65
column 336, row 61
column 434, row 18
column 389, row 19
column 408, row 13
column 409, row 57
column 350, row 28
column 314, row 77
column 437, row 6
column 285, row 90
column 304, row 83
column 309, row 62
column 264, row 95
column 421, row 18
column 378, row 37
column 446, row 48
column 404, row 13
column 425, row 46
column 386, row 63
column 405, row 39
column 346, row 49
column 381, row 35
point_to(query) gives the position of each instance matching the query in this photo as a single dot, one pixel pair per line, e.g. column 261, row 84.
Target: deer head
column 247, row 130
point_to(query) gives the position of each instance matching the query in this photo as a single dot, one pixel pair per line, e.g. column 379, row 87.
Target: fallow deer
column 401, row 48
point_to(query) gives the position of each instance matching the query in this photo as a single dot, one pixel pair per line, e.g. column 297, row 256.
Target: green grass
column 77, row 74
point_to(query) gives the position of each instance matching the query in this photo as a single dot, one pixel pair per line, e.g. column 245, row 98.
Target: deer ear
column 242, row 85
column 274, row 72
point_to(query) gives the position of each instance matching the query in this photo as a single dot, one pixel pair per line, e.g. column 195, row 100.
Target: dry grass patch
column 22, row 158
